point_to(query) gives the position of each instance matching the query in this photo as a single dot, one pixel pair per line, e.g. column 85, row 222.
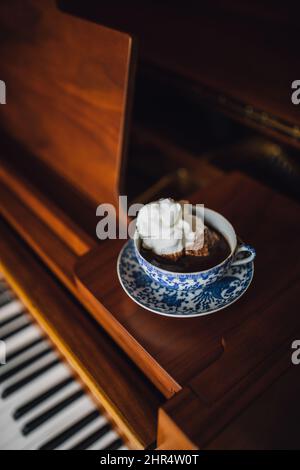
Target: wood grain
column 58, row 221
column 269, row 422
column 127, row 396
column 174, row 352
column 68, row 84
column 255, row 336
column 51, row 249
column 161, row 346
column 201, row 423
column 69, row 110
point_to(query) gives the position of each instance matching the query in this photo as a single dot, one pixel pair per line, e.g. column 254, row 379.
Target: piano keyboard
column 42, row 405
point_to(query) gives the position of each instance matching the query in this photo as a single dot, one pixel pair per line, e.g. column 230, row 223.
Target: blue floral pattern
column 182, row 281
column 175, row 302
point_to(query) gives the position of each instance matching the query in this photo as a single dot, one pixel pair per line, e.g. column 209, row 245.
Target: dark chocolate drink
column 188, row 263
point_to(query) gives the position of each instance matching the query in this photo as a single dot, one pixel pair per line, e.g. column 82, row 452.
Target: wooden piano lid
column 240, row 55
column 68, row 93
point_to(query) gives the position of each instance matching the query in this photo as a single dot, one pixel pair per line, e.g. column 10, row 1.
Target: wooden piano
column 89, row 117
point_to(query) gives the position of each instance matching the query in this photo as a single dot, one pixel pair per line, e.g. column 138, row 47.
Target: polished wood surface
column 233, row 333
column 209, row 425
column 270, row 422
column 186, row 382
column 242, row 56
column 212, row 353
column 128, row 397
column 69, row 84
column 47, row 193
column 42, row 207
column 50, row 248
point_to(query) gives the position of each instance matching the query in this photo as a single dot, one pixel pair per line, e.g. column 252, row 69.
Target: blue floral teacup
column 200, row 279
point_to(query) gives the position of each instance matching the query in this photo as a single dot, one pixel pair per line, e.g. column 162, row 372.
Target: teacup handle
column 251, row 251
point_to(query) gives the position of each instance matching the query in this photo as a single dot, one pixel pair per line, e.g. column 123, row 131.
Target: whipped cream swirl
column 166, row 228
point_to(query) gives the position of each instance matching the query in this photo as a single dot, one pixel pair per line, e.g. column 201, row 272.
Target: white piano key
column 5, row 297
column 20, row 339
column 32, row 368
column 52, row 401
column 11, row 399
column 9, row 407
column 15, row 362
column 34, row 388
column 11, row 327
column 11, row 309
column 83, row 433
column 10, row 429
column 34, row 349
column 14, row 428
column 104, row 441
column 65, row 418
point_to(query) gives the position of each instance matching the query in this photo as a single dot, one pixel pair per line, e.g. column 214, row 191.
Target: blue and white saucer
column 174, row 303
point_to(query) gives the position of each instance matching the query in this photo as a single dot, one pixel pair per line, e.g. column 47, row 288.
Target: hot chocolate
column 215, row 250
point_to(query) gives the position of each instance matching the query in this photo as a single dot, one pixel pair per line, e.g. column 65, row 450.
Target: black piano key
column 69, row 432
column 114, row 445
column 17, row 330
column 14, row 370
column 28, row 378
column 92, row 438
column 11, row 319
column 30, row 405
column 43, row 417
column 6, row 297
column 24, row 349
